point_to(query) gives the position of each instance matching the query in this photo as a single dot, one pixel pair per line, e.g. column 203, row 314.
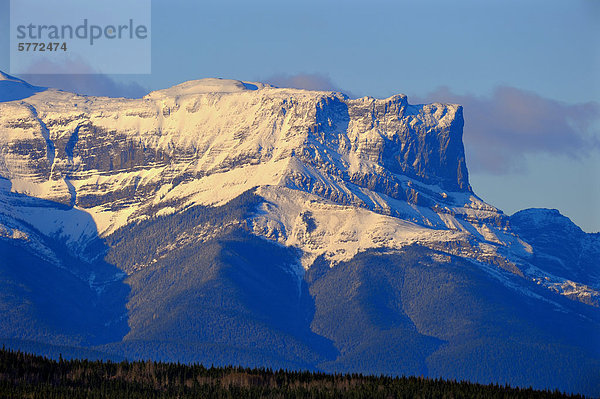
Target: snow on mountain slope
column 341, row 175
column 561, row 249
column 81, row 150
column 12, row 89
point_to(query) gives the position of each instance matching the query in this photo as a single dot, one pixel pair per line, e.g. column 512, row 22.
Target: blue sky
column 527, row 73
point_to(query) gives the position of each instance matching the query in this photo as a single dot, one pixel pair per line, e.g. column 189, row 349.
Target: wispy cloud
column 91, row 85
column 500, row 130
column 83, row 81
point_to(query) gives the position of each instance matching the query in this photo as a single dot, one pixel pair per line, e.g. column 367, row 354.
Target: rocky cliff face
column 57, row 140
column 206, row 142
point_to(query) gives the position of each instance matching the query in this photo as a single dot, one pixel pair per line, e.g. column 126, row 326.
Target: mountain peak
column 5, row 76
column 12, row 88
column 542, row 218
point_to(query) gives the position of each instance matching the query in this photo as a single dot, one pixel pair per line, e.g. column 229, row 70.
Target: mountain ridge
column 163, row 211
column 213, row 139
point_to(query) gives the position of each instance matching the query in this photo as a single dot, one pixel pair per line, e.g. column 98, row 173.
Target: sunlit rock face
column 213, row 126
column 208, row 141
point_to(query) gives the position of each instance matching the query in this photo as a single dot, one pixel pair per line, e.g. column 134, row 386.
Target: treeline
column 24, row 375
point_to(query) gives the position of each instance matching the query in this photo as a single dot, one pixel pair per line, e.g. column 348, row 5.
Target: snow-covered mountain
column 12, row 88
column 129, row 198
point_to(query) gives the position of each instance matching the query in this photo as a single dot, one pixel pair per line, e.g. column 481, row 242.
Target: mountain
column 12, row 88
column 230, row 222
